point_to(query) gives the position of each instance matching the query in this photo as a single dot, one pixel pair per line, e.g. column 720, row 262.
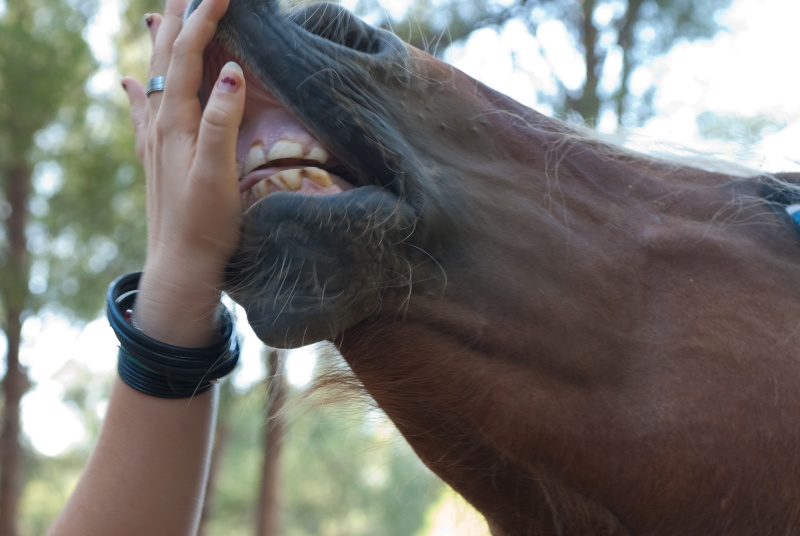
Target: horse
column 577, row 338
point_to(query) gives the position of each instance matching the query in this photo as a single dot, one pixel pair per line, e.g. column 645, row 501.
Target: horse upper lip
column 359, row 163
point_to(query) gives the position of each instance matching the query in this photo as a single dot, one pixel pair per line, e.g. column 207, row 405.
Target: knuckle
column 161, row 127
column 218, row 119
column 180, row 47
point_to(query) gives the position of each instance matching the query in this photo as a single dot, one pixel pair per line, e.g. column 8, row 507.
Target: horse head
column 577, row 338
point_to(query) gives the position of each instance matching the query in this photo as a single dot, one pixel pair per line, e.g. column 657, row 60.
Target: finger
column 140, row 112
column 153, row 22
column 168, row 30
column 187, row 58
column 219, row 128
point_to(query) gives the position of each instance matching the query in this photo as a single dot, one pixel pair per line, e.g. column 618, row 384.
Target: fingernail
column 231, row 77
column 148, row 19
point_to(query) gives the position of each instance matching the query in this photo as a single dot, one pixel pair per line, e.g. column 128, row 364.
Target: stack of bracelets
column 159, row 369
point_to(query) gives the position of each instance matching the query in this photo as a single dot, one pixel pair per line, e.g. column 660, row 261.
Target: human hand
column 189, row 158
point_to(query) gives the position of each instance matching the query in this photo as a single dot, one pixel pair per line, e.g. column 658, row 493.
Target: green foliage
column 379, row 485
column 615, row 38
column 748, row 130
column 90, row 224
column 432, row 25
column 346, row 472
column 43, row 66
column 86, row 217
column 49, row 482
column 64, row 154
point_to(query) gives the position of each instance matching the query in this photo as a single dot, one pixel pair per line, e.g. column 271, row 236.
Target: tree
column 344, row 470
column 44, row 65
column 73, row 213
column 270, row 496
column 615, row 39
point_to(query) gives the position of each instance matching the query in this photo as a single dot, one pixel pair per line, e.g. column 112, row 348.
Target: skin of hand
column 148, row 471
column 189, row 156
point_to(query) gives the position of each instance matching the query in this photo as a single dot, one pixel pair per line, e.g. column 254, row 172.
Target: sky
column 748, row 69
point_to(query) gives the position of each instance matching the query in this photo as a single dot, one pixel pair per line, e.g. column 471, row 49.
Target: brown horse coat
column 577, row 339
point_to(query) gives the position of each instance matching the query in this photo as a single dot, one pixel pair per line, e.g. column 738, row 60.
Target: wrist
column 178, row 306
column 162, row 369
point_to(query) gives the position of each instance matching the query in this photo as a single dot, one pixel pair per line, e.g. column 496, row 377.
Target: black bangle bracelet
column 160, row 369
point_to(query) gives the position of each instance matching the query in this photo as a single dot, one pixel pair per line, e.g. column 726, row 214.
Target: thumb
column 219, row 129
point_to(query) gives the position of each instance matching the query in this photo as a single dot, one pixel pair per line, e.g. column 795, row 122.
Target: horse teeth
column 318, row 176
column 255, row 158
column 288, row 179
column 260, row 189
column 317, row 154
column 284, row 149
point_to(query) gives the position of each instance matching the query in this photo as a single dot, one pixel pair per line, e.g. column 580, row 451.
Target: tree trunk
column 14, row 289
column 588, row 104
column 625, row 41
column 14, row 386
column 270, row 497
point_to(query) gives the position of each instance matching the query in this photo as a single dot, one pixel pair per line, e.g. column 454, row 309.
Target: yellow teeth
column 319, row 176
column 282, row 150
column 317, row 154
column 260, row 189
column 285, row 149
column 255, row 158
column 288, row 180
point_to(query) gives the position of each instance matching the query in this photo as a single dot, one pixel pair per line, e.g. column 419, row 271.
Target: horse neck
column 536, row 321
column 475, row 419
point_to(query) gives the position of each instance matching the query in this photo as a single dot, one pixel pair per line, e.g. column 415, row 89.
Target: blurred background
column 720, row 75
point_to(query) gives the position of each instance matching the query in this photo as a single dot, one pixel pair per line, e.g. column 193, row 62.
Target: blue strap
column 794, row 212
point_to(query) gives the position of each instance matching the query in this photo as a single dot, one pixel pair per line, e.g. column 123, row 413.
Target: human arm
column 148, row 470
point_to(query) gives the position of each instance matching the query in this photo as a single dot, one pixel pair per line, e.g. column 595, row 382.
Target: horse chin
column 309, row 267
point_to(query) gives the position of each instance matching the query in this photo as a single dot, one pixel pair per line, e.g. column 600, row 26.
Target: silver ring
column 154, row 84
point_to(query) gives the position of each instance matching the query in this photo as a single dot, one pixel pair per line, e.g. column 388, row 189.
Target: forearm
column 148, row 472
